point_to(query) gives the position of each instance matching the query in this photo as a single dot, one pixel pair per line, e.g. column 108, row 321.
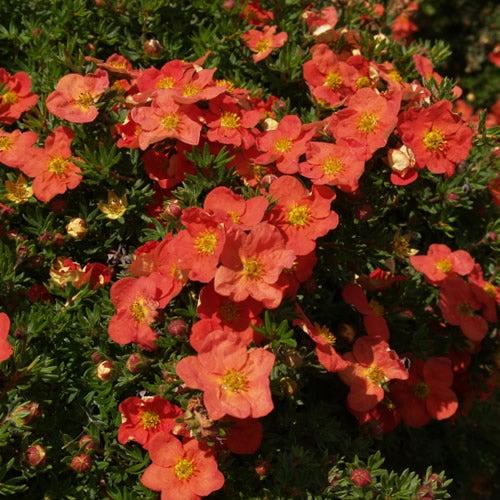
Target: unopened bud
column 104, row 370
column 177, row 327
column 135, row 363
column 152, row 47
column 36, row 455
column 361, row 477
column 81, row 463
column 76, row 228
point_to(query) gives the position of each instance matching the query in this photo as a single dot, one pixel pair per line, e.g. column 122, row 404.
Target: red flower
column 167, row 119
column 427, row 393
column 181, row 472
column 438, row 138
column 235, row 381
column 14, row 146
column 441, row 263
column 284, row 145
column 252, row 264
column 368, row 119
column 75, row 96
column 5, row 347
column 136, row 302
column 143, row 418
column 303, row 217
column 263, row 42
column 52, row 166
column 15, row 96
column 458, row 303
column 325, row 341
column 373, row 364
column 339, row 164
column 373, row 320
column 233, row 209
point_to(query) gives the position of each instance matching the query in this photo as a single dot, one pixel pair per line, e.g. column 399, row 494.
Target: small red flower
column 75, row 96
column 235, row 381
column 15, row 96
column 143, row 418
column 181, row 471
column 438, row 137
column 441, row 263
column 5, row 347
column 263, row 42
column 373, row 364
column 427, row 393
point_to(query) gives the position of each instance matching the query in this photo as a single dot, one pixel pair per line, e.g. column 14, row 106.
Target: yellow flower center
column 421, row 390
column 252, row 268
column 367, row 122
column 190, row 89
column 206, row 242
column 234, row 216
column 230, row 120
column 119, row 65
column 434, row 140
column 139, row 310
column 299, row 215
column 58, row 165
column 165, row 83
column 184, row 468
column 444, row 265
column 376, row 307
column 84, row 101
column 259, row 170
column 362, row 82
column 170, row 121
column 262, row 46
column 490, row 290
column 222, row 83
column 9, row 97
column 149, row 419
column 325, row 332
column 465, row 309
column 18, row 192
column 283, row 144
column 332, row 166
column 375, row 374
column 395, row 76
column 5, row 143
column 234, row 381
column 229, row 311
column 333, row 80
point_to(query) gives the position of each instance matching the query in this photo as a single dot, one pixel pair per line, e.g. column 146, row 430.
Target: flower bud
column 87, row 443
column 361, row 477
column 25, row 413
column 263, row 467
column 36, row 455
column 177, row 327
column 289, row 385
column 81, row 463
column 135, row 363
column 346, row 332
column 152, row 47
column 104, row 370
column 76, row 228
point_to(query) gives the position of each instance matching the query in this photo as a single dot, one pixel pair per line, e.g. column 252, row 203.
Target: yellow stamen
column 149, row 419
column 333, row 80
column 375, row 375
column 332, row 166
column 444, row 265
column 262, row 46
column 234, row 381
column 10, row 97
column 5, row 143
column 206, row 242
column 283, row 145
column 252, row 268
column 367, row 122
column 184, row 468
column 230, row 120
column 165, row 83
column 170, row 121
column 434, row 140
column 57, row 165
column 299, row 215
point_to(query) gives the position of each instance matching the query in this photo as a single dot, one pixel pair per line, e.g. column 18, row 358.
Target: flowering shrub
column 259, row 259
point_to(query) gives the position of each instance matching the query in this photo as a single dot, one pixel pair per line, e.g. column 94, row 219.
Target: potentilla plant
column 244, row 276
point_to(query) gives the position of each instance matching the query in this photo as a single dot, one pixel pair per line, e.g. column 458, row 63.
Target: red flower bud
column 152, row 47
column 104, row 370
column 263, row 468
column 135, row 363
column 36, row 455
column 87, row 443
column 361, row 477
column 177, row 327
column 81, row 463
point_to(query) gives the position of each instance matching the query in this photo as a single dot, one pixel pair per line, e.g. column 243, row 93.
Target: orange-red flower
column 263, row 42
column 5, row 347
column 438, row 137
column 368, row 119
column 440, row 263
column 15, row 96
column 136, row 302
column 52, row 166
column 373, row 364
column 143, row 418
column 339, row 164
column 427, row 392
column 14, row 147
column 303, row 217
column 458, row 303
column 252, row 264
column 181, row 471
column 75, row 96
column 235, row 381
